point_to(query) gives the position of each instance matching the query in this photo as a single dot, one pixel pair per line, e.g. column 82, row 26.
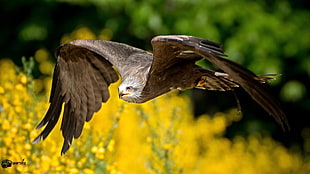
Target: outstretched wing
column 82, row 74
column 169, row 50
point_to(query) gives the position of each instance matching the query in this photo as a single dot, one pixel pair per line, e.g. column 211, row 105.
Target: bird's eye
column 129, row 88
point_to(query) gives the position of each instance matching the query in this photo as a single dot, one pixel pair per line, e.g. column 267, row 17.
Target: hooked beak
column 123, row 94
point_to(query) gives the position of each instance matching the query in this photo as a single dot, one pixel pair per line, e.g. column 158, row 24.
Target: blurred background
column 264, row 36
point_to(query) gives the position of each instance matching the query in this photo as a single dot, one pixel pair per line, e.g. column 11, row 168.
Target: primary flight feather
column 85, row 69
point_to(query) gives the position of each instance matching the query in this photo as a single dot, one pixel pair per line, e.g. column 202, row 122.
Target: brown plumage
column 85, row 69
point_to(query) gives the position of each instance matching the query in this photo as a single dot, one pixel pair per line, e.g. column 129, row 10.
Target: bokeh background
column 198, row 131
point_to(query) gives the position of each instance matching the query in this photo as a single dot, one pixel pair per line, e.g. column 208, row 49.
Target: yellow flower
column 7, row 85
column 18, row 109
column 41, row 55
column 7, row 140
column 27, row 146
column 219, row 124
column 112, row 167
column 115, row 172
column 46, row 67
column 22, row 168
column 149, row 139
column 105, row 34
column 73, row 170
column 88, row 171
column 84, row 33
column 111, row 145
column 38, row 85
column 28, row 126
column 6, row 125
column 80, row 33
column 167, row 146
column 1, row 90
column 100, row 153
column 23, row 79
column 94, row 149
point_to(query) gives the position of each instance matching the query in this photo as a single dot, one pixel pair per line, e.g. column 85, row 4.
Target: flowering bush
column 159, row 136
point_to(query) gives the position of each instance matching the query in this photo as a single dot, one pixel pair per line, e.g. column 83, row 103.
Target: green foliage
column 257, row 34
column 28, row 66
column 293, row 91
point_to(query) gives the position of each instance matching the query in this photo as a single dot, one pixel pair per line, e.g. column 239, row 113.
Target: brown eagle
column 85, row 69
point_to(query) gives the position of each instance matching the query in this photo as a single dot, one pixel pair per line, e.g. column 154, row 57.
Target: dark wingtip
column 37, row 140
column 284, row 123
column 41, row 124
column 65, row 147
column 211, row 47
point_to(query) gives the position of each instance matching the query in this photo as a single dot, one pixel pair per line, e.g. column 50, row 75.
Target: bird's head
column 130, row 90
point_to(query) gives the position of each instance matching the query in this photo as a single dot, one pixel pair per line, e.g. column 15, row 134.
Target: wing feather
column 80, row 81
column 197, row 48
column 122, row 54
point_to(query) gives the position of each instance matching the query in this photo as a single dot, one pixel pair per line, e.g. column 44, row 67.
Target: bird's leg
column 237, row 101
column 215, row 82
column 201, row 83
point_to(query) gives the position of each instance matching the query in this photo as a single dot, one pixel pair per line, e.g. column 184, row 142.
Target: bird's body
column 85, row 69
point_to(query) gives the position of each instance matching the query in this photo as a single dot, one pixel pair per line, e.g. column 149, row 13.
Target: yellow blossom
column 100, row 153
column 27, row 146
column 38, row 85
column 46, row 67
column 7, row 140
column 41, row 55
column 88, row 171
column 1, row 90
column 148, row 139
column 105, row 34
column 6, row 125
column 18, row 109
column 167, row 146
column 73, row 170
column 94, row 149
column 111, row 145
column 23, row 79
column 28, row 126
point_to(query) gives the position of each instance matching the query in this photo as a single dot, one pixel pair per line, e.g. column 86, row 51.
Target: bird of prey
column 85, row 69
